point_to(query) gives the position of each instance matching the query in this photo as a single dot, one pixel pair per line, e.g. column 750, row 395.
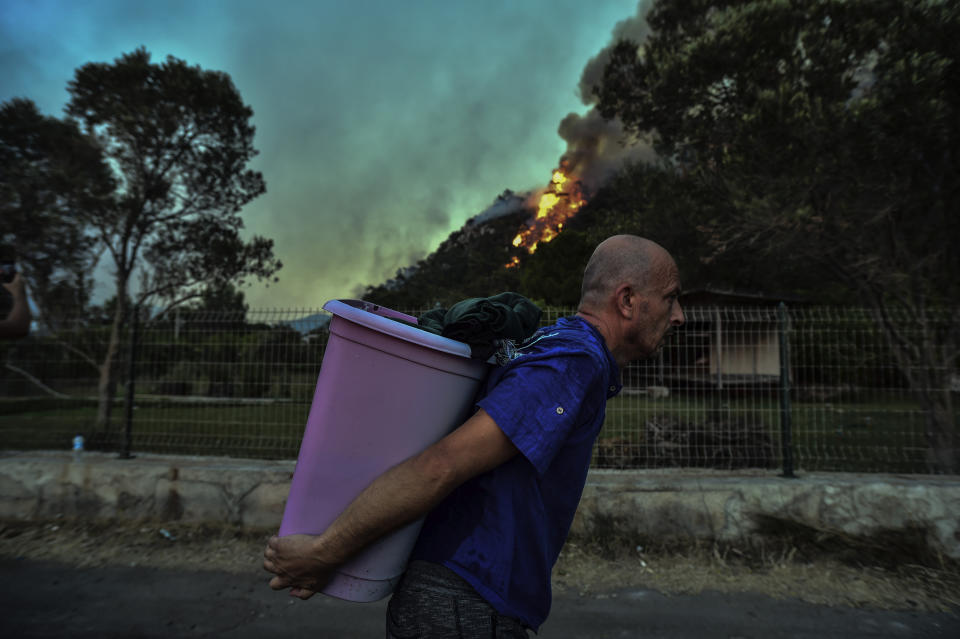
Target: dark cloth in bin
column 482, row 321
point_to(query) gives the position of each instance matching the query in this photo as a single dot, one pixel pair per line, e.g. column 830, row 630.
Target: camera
column 8, row 269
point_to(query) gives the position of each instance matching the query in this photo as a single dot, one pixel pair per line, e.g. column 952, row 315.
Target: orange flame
column 558, row 203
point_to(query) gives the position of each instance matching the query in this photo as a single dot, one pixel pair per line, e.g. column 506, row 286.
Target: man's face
column 658, row 313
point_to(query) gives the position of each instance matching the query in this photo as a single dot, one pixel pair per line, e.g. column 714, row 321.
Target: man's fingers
column 270, row 556
column 276, row 562
column 279, row 582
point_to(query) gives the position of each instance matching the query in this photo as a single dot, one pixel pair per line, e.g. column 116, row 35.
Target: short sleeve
column 540, row 401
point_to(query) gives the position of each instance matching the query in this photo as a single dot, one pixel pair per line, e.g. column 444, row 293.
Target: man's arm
column 399, row 496
column 17, row 322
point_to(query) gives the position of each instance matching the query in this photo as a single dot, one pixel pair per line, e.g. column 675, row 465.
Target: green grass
column 245, row 430
column 862, row 437
column 856, row 437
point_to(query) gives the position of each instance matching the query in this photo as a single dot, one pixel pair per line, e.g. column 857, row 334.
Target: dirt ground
column 821, row 571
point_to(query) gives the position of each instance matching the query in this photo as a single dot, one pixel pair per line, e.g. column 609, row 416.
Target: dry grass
column 830, row 571
column 799, row 565
column 88, row 544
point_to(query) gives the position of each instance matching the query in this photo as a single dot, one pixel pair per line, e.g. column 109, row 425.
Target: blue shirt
column 502, row 531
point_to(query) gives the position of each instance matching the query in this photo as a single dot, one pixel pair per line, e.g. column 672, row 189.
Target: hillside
column 640, row 199
column 469, row 263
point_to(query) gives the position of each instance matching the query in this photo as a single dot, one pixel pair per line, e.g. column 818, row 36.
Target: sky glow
column 381, row 126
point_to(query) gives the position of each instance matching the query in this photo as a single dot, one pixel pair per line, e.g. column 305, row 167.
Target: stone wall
column 661, row 504
column 712, row 507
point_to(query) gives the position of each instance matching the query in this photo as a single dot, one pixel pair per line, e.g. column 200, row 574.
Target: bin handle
column 382, row 311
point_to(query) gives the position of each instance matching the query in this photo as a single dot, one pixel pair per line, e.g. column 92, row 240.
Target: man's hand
column 295, row 565
column 404, row 493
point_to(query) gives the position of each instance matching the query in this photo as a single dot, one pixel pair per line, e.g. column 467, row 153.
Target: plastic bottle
column 77, row 447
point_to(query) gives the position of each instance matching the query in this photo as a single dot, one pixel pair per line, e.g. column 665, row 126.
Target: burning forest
column 557, row 204
column 596, row 150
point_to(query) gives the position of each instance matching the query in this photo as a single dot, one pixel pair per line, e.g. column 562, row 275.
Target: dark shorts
column 433, row 601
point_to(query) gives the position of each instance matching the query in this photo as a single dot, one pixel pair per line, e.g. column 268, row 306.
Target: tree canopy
column 180, row 140
column 150, row 167
column 826, row 131
column 829, row 129
column 54, row 181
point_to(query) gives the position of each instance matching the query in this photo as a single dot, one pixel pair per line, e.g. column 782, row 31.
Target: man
column 17, row 322
column 502, row 489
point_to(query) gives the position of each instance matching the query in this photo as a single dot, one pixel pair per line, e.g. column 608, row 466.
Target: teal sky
column 381, row 126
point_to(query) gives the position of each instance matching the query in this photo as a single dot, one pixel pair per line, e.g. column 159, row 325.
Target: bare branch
column 36, row 382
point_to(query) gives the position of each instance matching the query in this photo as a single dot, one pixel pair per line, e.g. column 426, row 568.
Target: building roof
column 721, row 297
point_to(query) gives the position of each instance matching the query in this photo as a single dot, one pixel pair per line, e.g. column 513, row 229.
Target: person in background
column 17, row 322
column 502, row 489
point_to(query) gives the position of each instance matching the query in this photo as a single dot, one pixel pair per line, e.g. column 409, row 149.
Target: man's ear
column 625, row 301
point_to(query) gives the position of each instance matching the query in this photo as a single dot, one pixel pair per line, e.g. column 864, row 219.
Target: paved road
column 42, row 599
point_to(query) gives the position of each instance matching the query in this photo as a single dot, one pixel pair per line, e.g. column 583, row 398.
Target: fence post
column 786, row 438
column 131, row 381
column 718, row 330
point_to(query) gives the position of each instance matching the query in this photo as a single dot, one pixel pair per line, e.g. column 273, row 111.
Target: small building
column 730, row 340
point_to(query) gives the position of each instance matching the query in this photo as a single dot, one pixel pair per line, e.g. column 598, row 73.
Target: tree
column 656, row 201
column 221, row 308
column 554, row 273
column 54, row 179
column 829, row 130
column 178, row 139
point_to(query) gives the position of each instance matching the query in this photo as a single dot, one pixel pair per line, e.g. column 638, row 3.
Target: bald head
column 619, row 260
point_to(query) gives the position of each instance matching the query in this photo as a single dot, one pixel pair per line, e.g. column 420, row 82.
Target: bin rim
column 351, row 310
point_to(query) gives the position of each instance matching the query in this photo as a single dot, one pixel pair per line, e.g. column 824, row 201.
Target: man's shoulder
column 569, row 338
column 572, row 333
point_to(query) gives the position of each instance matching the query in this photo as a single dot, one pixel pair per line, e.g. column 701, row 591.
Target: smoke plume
column 596, row 148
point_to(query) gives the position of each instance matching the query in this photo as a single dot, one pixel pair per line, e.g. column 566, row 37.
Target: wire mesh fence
column 734, row 388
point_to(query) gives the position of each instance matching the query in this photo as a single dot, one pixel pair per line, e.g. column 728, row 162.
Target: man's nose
column 676, row 318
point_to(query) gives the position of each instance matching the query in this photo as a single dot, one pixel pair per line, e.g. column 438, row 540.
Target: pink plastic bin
column 386, row 391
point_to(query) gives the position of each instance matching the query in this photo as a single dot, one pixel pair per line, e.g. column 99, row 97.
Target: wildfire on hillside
column 555, row 205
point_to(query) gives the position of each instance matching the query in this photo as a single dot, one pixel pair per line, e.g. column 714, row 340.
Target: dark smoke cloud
column 505, row 203
column 597, row 148
column 635, row 29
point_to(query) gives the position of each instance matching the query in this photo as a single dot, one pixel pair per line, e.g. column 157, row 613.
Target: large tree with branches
column 828, row 131
column 179, row 140
column 53, row 181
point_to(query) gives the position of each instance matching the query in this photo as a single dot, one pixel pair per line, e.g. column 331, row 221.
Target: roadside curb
column 661, row 504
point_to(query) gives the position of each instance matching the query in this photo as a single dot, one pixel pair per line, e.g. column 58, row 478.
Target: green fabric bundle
column 482, row 321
